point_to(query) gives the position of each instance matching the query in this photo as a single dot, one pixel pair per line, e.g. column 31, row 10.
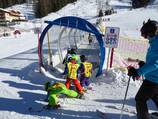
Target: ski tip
column 153, row 115
column 101, row 114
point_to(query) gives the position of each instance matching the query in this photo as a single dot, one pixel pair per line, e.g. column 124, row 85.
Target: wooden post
column 39, row 52
column 49, row 51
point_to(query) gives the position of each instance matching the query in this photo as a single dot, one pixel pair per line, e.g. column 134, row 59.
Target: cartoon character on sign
column 111, row 37
column 112, row 31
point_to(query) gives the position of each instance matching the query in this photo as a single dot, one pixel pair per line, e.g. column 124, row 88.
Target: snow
column 22, row 85
column 14, row 45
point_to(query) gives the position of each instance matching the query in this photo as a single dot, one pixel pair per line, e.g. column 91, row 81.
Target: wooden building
column 11, row 15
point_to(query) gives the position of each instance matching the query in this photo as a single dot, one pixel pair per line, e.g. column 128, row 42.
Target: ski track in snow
column 21, row 85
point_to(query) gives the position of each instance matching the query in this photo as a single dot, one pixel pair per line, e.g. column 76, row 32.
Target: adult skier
column 67, row 57
column 71, row 52
column 90, row 39
column 149, row 87
column 85, row 72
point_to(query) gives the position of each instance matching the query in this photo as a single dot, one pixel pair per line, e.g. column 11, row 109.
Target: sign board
column 111, row 37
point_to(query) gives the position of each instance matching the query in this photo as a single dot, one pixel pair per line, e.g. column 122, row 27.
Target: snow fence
column 129, row 52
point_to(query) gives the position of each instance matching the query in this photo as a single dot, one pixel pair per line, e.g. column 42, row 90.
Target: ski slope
column 22, row 85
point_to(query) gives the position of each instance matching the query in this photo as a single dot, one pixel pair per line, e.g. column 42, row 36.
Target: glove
column 133, row 73
column 141, row 63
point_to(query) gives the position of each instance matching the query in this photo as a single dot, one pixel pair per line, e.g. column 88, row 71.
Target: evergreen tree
column 139, row 3
column 47, row 6
column 8, row 3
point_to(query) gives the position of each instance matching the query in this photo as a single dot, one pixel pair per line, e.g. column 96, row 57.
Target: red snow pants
column 76, row 82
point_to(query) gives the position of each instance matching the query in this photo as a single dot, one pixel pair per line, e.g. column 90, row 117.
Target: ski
column 153, row 115
column 101, row 114
column 44, row 108
column 31, row 109
column 125, row 109
column 89, row 88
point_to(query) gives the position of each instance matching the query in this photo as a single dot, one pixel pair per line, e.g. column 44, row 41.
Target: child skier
column 54, row 89
column 67, row 57
column 71, row 71
column 85, row 72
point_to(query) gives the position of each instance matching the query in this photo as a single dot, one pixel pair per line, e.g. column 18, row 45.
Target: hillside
column 22, row 85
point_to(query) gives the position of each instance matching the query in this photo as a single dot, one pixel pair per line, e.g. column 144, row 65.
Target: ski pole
column 125, row 97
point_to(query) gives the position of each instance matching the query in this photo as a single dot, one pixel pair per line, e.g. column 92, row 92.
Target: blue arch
column 78, row 23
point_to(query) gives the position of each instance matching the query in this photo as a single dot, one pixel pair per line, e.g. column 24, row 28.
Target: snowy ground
column 22, row 86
